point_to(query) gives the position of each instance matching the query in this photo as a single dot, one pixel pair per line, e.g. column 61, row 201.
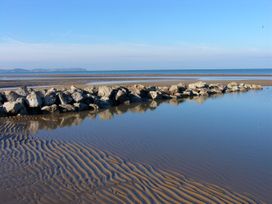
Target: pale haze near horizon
column 103, row 35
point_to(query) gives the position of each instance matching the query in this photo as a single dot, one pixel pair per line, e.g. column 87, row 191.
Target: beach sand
column 147, row 79
column 36, row 170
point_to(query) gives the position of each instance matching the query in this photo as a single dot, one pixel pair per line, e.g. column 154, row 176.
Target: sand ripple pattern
column 34, row 170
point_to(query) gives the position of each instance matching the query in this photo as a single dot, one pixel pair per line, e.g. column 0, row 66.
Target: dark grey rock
column 151, row 88
column 15, row 108
column 81, row 106
column 121, row 96
column 102, row 104
column 2, row 98
column 89, row 98
column 65, row 98
column 134, row 98
column 3, row 111
column 50, row 99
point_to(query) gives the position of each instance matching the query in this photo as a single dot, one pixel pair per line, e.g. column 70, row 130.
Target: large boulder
column 50, row 109
column 51, row 91
column 91, row 89
column 164, row 89
column 248, row 86
column 179, row 88
column 78, row 96
column 104, row 91
column 197, row 85
column 256, row 87
column 3, row 111
column 22, row 91
column 121, row 96
column 65, row 98
column 75, row 89
column 138, row 90
column 215, row 91
column 34, row 100
column 182, row 86
column 155, row 95
column 135, row 98
column 242, row 87
column 152, row 88
column 50, row 99
column 217, row 86
column 103, row 103
column 173, row 89
column 11, row 96
column 187, row 93
column 195, row 92
column 233, row 87
column 81, row 106
column 66, row 108
column 203, row 92
column 15, row 107
column 232, row 84
column 2, row 99
column 89, row 98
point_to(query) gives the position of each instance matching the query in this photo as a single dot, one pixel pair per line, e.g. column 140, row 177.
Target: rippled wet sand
column 34, row 170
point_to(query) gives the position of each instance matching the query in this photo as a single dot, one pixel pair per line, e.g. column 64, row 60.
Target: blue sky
column 135, row 34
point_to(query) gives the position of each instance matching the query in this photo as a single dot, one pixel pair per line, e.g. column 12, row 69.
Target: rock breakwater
column 27, row 101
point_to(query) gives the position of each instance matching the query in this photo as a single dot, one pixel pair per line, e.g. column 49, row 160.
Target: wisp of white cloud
column 14, row 54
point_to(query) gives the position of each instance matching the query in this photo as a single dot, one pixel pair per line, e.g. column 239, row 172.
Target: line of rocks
column 27, row 101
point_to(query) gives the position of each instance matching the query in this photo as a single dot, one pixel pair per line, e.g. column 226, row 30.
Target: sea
column 255, row 71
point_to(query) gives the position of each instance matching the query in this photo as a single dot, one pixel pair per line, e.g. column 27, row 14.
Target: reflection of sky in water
column 226, row 140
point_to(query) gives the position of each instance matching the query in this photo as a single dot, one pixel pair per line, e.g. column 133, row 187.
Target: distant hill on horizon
column 21, row 70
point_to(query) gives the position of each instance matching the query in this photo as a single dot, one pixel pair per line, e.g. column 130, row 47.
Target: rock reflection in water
column 54, row 121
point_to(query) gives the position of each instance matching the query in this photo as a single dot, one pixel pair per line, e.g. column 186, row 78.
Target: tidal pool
column 224, row 140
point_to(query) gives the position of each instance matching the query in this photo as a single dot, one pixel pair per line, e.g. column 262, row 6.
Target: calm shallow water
column 224, row 140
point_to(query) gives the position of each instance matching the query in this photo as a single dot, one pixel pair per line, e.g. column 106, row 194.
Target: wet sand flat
column 152, row 79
